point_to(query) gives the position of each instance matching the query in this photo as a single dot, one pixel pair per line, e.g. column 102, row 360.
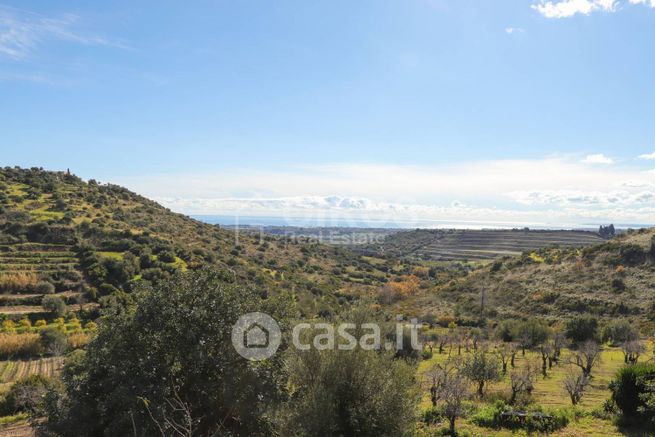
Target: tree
column 633, row 391
column 449, row 391
column 586, row 357
column 546, row 352
column 582, row 328
column 506, row 352
column 175, row 342
column 558, row 341
column 632, row 349
column 619, row 331
column 454, row 394
column 54, row 305
column 522, row 381
column 575, row 384
column 349, row 393
column 481, row 367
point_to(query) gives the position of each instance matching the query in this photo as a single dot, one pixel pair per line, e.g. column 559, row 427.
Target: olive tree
column 172, row 348
column 481, row 367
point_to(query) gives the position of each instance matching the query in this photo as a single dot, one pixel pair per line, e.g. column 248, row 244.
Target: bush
column 44, row 287
column 54, row 305
column 629, row 391
column 53, row 341
column 533, row 420
column 166, row 256
column 27, row 394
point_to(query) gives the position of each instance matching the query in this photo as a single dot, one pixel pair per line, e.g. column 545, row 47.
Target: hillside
column 86, row 240
column 608, row 280
column 473, row 245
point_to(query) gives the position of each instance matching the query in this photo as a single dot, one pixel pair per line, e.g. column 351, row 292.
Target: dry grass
column 19, row 345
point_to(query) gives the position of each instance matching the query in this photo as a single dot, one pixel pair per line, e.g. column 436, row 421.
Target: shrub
column 53, row 341
column 629, row 390
column 27, row 394
column 8, row 326
column 54, row 305
column 44, row 287
column 166, row 256
column 500, row 415
column 40, row 323
column 78, row 340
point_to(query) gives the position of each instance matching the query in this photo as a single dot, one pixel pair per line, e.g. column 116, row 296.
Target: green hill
column 85, row 240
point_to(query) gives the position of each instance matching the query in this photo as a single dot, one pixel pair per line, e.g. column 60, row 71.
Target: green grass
column 6, row 420
column 114, row 255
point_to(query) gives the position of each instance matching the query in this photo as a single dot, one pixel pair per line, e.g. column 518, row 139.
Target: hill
column 608, row 280
column 85, row 240
column 473, row 245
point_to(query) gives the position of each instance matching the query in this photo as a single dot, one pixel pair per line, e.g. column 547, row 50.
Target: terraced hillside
column 102, row 240
column 473, row 245
column 30, row 271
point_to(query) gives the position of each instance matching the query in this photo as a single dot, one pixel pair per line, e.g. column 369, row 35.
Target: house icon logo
column 256, row 336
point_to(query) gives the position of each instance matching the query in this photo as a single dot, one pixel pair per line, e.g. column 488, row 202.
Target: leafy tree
column 619, row 331
column 632, row 391
column 54, row 305
column 582, row 328
column 174, row 344
column 349, row 393
column 481, row 367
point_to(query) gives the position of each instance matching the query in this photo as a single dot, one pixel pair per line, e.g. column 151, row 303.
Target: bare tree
column 575, row 385
column 586, row 357
column 506, row 352
column 437, row 376
column 546, row 352
column 522, row 381
column 453, row 394
column 558, row 341
column 632, row 349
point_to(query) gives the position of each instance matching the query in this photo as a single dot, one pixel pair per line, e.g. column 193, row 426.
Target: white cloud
column 650, row 3
column 21, row 32
column 553, row 190
column 648, row 156
column 597, row 158
column 569, row 8
column 513, row 30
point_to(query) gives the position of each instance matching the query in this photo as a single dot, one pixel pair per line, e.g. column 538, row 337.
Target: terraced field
column 474, row 245
column 26, row 267
column 13, row 370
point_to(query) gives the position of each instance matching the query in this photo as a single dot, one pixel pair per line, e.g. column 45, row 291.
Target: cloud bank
column 560, row 191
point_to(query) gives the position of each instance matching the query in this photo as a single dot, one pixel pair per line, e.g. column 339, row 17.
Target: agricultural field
column 473, row 245
column 549, row 392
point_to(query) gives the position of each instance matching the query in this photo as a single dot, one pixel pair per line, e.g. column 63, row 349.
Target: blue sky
column 445, row 108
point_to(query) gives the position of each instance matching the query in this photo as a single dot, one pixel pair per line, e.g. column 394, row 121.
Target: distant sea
column 313, row 222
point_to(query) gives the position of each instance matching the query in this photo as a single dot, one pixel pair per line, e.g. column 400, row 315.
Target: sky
column 512, row 111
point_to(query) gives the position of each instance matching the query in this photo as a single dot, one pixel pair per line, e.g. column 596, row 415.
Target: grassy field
column 550, row 393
